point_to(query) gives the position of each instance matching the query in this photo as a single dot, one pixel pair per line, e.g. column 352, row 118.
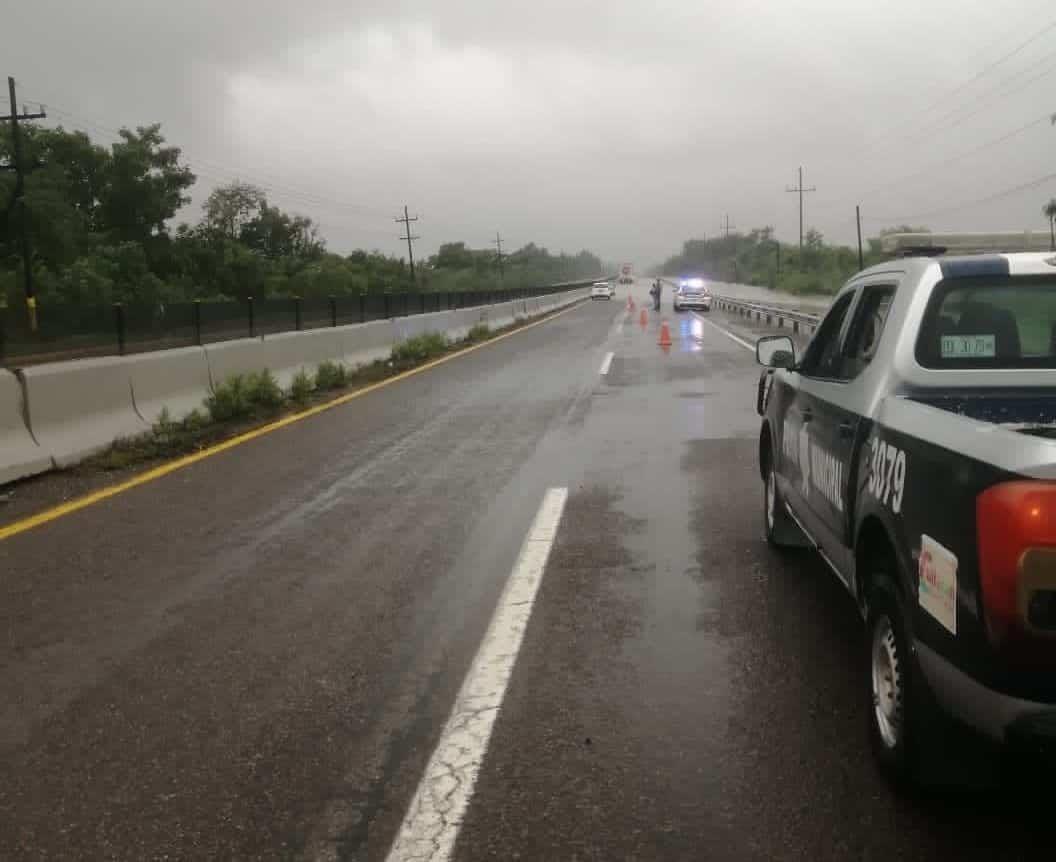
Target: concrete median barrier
column 421, row 324
column 173, row 380
column 75, row 409
column 464, row 319
column 283, row 354
column 501, row 314
column 78, row 408
column 364, row 343
column 21, row 456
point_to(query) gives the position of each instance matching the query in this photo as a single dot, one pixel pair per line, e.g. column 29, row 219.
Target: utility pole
column 799, row 190
column 725, row 228
column 406, row 222
column 19, row 196
column 858, row 219
column 497, row 242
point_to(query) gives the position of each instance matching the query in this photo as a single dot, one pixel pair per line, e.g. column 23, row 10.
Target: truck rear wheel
column 900, row 707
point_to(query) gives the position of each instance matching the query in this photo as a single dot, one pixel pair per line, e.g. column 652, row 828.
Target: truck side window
column 867, row 326
column 823, row 356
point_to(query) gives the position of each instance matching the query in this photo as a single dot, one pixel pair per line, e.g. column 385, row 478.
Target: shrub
column 301, row 388
column 419, row 348
column 262, row 390
column 479, row 332
column 196, row 420
column 330, row 375
column 164, row 425
column 229, row 400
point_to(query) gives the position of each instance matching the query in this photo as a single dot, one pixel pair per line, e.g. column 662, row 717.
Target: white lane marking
column 433, row 820
column 605, row 363
column 725, row 332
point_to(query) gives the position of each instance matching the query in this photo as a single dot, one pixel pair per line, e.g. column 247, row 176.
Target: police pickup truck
column 914, row 446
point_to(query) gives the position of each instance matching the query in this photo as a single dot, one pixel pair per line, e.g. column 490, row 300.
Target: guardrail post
column 780, row 323
column 297, row 313
column 386, row 306
column 198, row 322
column 363, row 308
column 119, row 323
column 795, row 327
column 333, row 311
column 252, row 322
column 421, row 297
column 769, row 320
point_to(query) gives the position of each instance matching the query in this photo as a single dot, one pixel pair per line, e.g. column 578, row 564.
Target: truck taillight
column 1016, row 534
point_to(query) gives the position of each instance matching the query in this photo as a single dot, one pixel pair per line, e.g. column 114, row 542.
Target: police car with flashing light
column 913, row 444
column 691, row 293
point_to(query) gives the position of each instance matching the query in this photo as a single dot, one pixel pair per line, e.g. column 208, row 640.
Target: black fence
column 74, row 331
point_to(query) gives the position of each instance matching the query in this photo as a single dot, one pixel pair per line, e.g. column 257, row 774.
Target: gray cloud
column 622, row 127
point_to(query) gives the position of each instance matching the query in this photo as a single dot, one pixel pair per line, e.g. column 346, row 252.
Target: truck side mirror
column 775, row 351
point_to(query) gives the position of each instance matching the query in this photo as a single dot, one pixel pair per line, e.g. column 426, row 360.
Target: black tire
column 781, row 531
column 902, row 714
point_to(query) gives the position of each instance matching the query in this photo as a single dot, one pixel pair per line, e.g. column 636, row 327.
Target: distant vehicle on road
column 626, row 274
column 602, row 290
column 914, row 446
column 692, row 293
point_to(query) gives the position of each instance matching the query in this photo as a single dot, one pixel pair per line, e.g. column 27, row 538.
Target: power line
column 960, row 88
column 1004, row 193
column 984, row 99
column 304, row 197
column 800, row 190
column 406, row 221
column 933, row 166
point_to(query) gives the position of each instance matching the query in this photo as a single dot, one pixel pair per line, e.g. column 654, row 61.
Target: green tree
column 276, row 234
column 146, row 185
column 229, row 208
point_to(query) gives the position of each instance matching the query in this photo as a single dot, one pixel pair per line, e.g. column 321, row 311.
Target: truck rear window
column 990, row 323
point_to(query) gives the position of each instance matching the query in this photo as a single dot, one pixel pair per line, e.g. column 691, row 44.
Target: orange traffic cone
column 665, row 335
column 643, row 318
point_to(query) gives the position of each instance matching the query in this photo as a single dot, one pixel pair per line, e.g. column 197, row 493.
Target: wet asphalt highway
column 255, row 656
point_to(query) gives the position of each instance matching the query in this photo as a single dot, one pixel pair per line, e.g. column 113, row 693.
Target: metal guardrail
column 770, row 315
column 799, row 321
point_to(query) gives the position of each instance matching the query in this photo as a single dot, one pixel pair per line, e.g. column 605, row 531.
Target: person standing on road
column 655, row 291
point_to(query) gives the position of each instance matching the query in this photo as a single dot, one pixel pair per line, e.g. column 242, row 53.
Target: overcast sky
column 622, row 127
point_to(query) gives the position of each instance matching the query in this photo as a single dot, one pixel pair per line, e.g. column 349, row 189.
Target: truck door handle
column 846, row 430
column 808, row 414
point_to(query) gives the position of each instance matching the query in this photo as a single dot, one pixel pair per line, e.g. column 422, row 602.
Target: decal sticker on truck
column 968, row 346
column 937, row 585
column 887, row 474
column 818, row 467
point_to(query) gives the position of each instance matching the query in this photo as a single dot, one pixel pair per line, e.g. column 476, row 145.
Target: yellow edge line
column 87, row 500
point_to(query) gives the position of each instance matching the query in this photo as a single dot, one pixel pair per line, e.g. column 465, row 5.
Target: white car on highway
column 692, row 293
column 602, row 290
